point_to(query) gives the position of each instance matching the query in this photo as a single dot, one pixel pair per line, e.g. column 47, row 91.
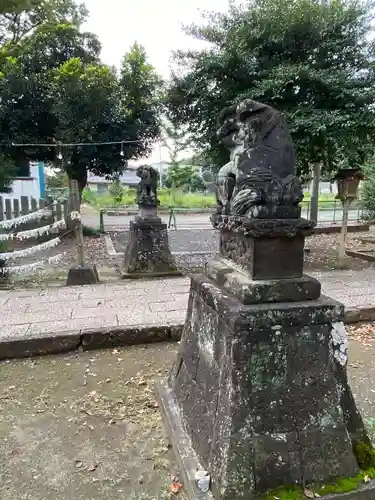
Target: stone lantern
column 347, row 186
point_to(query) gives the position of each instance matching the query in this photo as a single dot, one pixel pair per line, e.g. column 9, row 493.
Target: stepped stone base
column 148, row 253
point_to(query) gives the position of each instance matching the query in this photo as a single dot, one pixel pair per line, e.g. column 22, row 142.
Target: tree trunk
column 81, row 177
column 314, row 203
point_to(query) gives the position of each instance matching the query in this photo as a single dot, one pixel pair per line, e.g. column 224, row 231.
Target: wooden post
column 101, row 221
column 24, row 205
column 34, row 205
column 314, row 207
column 344, row 232
column 58, row 211
column 66, row 210
column 8, row 208
column 1, row 208
column 75, row 202
column 16, row 208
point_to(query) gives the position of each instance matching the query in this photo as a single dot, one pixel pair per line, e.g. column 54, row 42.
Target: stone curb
column 118, row 336
column 87, row 339
column 359, row 314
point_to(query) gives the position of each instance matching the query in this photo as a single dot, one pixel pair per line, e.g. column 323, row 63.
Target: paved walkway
column 29, row 313
column 131, row 303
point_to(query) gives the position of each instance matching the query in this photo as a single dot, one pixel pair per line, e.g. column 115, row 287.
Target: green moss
column 285, row 493
column 365, row 455
column 342, row 485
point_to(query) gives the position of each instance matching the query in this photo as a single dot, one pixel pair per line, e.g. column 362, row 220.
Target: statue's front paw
column 244, row 200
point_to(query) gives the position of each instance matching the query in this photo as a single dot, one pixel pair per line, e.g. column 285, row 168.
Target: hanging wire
column 62, row 144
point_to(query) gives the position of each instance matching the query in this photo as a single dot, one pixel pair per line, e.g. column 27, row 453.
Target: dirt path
column 86, row 426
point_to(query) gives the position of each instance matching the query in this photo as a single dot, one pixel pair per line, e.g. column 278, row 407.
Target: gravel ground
column 322, row 257
column 324, row 248
column 182, row 240
column 197, row 245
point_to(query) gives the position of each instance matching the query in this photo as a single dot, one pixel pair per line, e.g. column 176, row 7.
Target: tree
column 368, row 189
column 311, row 60
column 141, row 91
column 19, row 18
column 175, row 140
column 183, row 176
column 54, row 89
column 7, row 171
column 178, row 176
column 117, row 191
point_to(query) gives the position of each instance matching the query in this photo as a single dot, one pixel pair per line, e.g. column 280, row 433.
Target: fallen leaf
column 176, row 487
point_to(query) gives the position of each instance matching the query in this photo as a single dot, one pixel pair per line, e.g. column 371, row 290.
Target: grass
column 178, row 199
column 168, row 198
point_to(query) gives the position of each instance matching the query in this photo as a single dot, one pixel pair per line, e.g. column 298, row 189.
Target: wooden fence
column 11, row 209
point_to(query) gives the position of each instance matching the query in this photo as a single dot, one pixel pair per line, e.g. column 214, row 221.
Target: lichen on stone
column 339, row 343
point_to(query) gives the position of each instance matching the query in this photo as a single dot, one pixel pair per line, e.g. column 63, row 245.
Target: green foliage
column 368, row 189
column 56, row 179
column 7, row 171
column 53, row 88
column 18, row 18
column 311, row 60
column 117, row 191
column 181, row 176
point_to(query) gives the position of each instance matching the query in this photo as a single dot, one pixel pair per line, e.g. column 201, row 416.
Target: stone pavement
column 56, row 319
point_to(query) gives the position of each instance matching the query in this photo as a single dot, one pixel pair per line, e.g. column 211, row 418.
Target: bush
column 368, row 190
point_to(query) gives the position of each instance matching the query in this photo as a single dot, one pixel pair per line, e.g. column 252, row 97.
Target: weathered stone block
column 276, row 460
column 254, row 385
column 264, row 258
column 326, row 451
column 249, row 291
column 148, row 252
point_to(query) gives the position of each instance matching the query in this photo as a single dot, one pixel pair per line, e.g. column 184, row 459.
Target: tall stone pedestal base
column 148, row 253
column 258, row 395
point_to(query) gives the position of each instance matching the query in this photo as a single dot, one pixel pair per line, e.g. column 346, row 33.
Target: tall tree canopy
column 54, row 89
column 310, row 59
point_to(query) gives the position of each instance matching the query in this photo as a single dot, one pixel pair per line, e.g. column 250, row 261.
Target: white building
column 31, row 183
column 100, row 184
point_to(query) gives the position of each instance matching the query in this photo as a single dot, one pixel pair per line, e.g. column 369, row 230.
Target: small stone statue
column 259, row 181
column 147, row 188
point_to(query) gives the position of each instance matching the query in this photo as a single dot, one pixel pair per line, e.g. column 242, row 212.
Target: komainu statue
column 259, row 181
column 147, row 188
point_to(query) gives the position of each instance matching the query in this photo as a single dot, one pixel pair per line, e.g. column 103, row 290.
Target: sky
column 156, row 24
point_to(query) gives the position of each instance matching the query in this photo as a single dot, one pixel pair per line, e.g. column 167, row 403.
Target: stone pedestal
column 148, row 253
column 82, row 275
column 258, row 395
